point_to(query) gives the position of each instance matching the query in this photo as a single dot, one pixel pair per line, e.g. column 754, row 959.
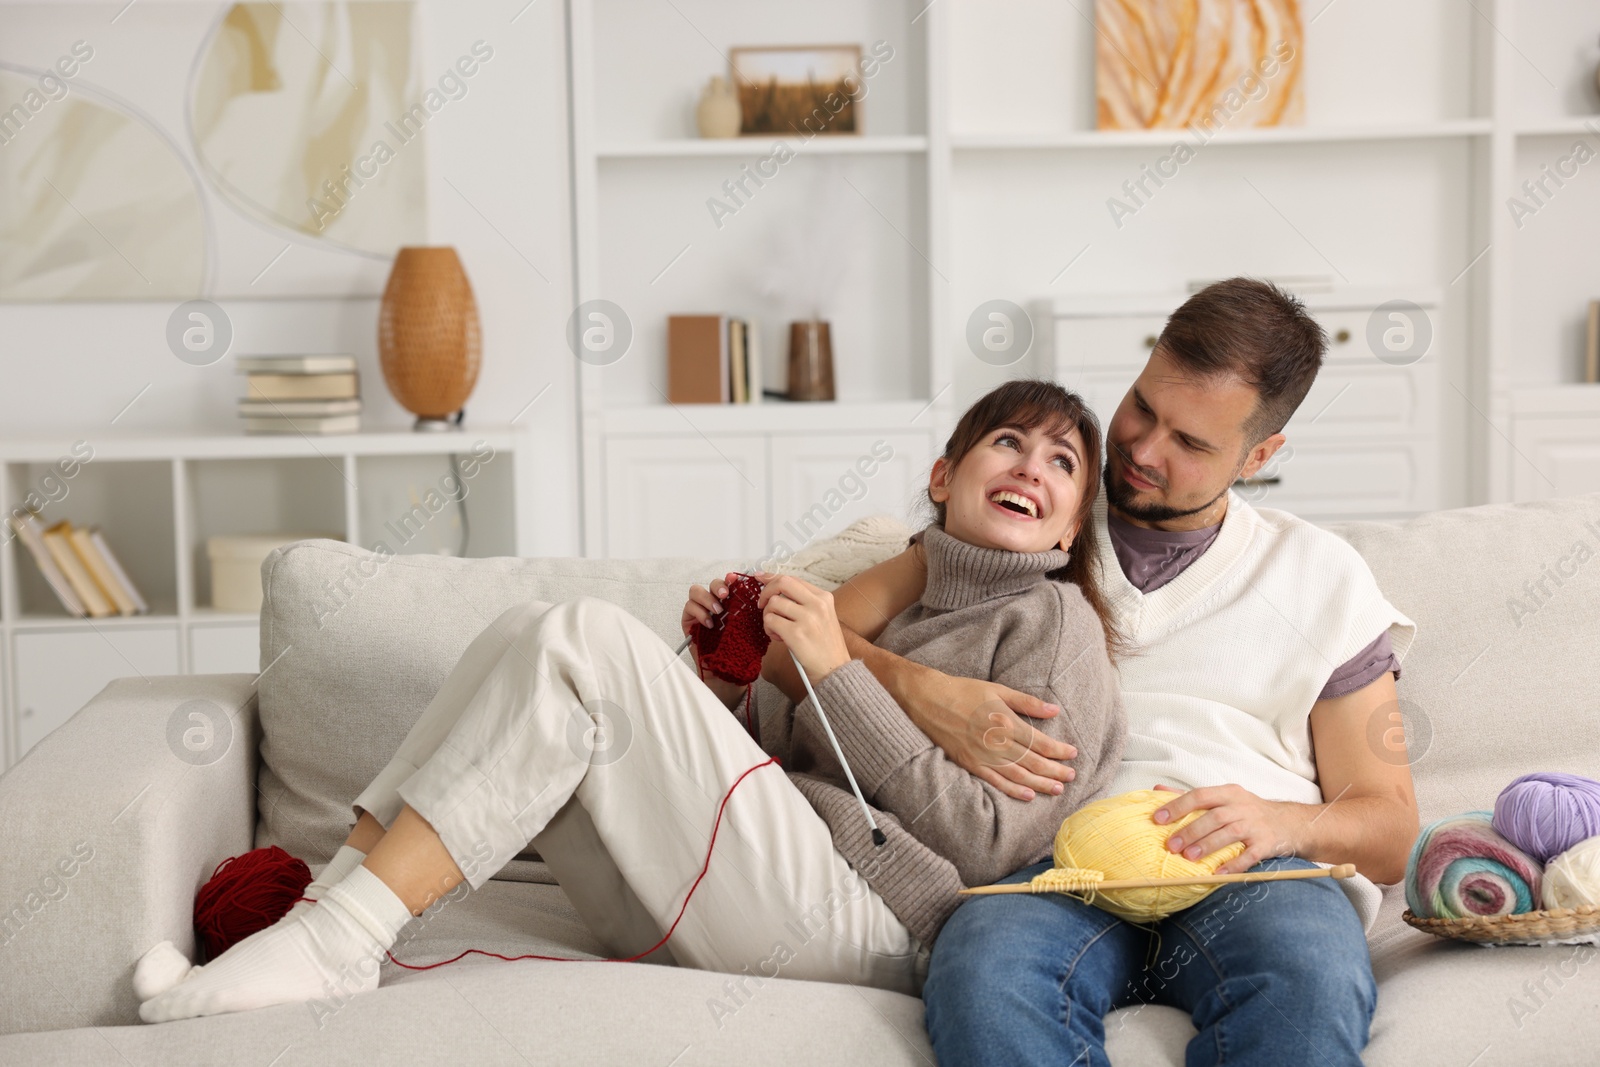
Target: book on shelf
column 713, row 359
column 298, row 408
column 99, row 565
column 58, row 539
column 30, row 531
column 304, row 424
column 114, row 569
column 340, row 386
column 321, row 364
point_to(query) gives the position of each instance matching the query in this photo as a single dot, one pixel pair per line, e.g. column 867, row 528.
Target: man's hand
column 978, row 724
column 1233, row 813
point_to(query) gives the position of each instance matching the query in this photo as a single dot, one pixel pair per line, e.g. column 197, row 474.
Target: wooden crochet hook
column 1343, row 870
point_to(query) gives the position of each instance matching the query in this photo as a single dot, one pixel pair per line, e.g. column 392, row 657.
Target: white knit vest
column 1231, row 655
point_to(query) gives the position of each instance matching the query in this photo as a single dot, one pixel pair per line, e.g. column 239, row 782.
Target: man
column 1265, row 653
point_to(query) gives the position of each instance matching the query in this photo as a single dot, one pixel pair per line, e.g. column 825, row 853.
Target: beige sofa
column 139, row 812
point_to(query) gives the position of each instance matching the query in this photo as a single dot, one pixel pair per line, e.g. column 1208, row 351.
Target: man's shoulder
column 1302, row 541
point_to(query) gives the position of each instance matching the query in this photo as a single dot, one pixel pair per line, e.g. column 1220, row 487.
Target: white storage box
column 236, row 567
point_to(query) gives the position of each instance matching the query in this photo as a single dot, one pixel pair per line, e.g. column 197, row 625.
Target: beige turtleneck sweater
column 985, row 613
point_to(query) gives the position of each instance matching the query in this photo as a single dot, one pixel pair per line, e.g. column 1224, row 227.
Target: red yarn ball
column 247, row 893
column 733, row 646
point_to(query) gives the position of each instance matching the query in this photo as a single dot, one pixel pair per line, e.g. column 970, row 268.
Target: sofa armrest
column 111, row 823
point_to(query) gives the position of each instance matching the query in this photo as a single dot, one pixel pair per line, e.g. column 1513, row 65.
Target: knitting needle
column 877, row 835
column 1343, row 870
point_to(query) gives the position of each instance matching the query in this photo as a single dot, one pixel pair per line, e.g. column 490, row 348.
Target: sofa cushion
column 354, row 646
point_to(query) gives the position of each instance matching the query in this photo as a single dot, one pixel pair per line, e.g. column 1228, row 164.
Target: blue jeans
column 1269, row 972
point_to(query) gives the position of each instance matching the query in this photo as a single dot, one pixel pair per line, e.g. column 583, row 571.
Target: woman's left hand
column 801, row 616
column 1232, row 813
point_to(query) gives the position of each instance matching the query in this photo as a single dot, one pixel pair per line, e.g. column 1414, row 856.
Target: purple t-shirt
column 1152, row 558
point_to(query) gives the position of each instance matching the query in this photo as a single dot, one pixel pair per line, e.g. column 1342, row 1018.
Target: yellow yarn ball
column 1117, row 837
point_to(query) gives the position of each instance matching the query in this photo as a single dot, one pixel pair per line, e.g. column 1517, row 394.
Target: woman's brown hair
column 1031, row 403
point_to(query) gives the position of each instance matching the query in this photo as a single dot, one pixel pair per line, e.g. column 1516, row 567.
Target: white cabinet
column 685, row 495
column 57, row 672
column 1556, row 457
column 757, row 495
column 823, row 483
column 1363, row 443
column 225, row 649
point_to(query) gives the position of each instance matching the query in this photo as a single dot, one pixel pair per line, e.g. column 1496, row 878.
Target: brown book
column 30, row 531
column 697, row 359
column 736, row 361
column 103, row 577
column 1591, row 361
column 303, row 387
column 58, row 539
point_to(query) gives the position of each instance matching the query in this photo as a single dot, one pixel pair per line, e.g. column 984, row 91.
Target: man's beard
column 1120, row 495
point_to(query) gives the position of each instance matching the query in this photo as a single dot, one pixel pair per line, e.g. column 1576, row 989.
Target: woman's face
column 981, row 495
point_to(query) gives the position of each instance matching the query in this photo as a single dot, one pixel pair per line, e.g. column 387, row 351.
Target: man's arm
column 974, row 721
column 1370, row 818
column 1370, row 815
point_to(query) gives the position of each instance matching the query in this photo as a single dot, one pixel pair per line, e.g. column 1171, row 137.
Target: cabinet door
column 57, row 672
column 821, row 483
column 686, row 495
column 231, row 649
column 1555, row 457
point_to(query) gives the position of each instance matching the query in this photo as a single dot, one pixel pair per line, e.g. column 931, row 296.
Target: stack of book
column 80, row 567
column 300, row 394
column 713, row 359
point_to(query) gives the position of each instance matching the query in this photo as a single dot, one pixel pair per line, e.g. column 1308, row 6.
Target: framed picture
column 1202, row 65
column 803, row 89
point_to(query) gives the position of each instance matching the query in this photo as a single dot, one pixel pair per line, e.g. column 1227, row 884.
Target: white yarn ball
column 1572, row 878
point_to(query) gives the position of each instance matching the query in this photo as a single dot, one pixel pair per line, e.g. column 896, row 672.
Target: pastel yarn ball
column 1572, row 878
column 1117, row 837
column 1460, row 867
column 1547, row 812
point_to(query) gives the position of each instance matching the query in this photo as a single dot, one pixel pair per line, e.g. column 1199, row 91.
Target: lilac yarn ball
column 1547, row 812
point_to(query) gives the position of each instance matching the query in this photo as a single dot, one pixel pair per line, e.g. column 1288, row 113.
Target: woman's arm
column 984, row 832
column 977, row 723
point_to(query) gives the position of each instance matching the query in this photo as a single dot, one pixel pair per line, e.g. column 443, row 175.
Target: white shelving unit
column 158, row 498
column 645, row 240
column 983, row 128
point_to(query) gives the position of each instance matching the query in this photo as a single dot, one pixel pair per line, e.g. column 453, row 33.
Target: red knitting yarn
column 247, row 893
column 733, row 646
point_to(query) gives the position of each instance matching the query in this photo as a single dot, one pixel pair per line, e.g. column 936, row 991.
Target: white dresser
column 1363, row 444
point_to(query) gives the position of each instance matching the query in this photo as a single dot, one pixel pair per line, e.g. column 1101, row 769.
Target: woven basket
column 1556, row 926
column 429, row 343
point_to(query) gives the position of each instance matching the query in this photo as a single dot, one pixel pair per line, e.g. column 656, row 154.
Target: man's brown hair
column 1253, row 331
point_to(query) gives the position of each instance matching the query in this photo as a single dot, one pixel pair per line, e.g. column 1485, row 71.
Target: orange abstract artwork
column 1209, row 64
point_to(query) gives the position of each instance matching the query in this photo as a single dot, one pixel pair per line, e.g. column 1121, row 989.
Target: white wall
column 71, row 368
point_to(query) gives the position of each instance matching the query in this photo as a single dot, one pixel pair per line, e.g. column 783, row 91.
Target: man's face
column 1176, row 444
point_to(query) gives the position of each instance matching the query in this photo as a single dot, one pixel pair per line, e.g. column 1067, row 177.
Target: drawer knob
column 1342, row 337
column 1150, row 340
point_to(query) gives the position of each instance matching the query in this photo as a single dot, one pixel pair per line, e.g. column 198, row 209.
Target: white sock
column 164, row 966
column 347, row 859
column 326, row 952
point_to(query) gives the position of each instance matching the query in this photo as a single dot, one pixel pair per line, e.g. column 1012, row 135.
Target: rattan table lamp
column 429, row 343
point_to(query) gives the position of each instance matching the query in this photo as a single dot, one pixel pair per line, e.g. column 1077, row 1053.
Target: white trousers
column 573, row 725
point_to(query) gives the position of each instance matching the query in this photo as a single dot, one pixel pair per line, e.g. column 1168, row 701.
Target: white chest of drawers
column 1363, row 444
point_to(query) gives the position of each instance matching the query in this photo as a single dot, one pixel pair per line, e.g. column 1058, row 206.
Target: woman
column 795, row 886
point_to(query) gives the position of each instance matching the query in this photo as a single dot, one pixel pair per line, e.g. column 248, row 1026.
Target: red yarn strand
column 704, row 867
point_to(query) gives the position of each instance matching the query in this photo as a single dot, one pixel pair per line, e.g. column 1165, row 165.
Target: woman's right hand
column 701, row 609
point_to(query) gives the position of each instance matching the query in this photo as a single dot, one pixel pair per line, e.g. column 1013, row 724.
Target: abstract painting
column 1206, row 64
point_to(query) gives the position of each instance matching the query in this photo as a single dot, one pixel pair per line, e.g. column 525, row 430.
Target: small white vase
column 718, row 114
